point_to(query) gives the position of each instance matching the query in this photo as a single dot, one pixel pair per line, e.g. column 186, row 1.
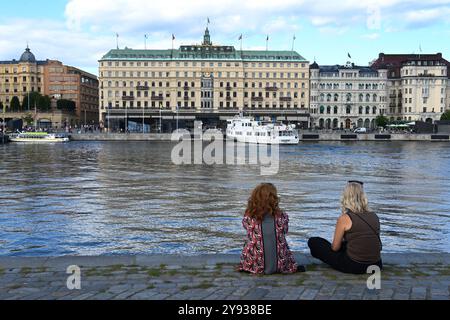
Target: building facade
column 20, row 77
column 203, row 82
column 417, row 85
column 65, row 82
column 347, row 96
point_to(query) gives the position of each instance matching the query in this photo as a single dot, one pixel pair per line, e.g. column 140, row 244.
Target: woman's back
column 363, row 240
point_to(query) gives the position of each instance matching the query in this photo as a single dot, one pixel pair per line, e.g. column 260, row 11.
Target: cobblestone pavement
column 407, row 276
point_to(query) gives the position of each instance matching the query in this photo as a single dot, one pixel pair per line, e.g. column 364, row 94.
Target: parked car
column 360, row 130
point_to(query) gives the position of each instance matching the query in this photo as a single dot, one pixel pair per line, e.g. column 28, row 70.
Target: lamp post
column 177, row 117
column 143, row 119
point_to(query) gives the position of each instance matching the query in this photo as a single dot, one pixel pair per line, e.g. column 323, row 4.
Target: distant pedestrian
column 266, row 250
column 357, row 243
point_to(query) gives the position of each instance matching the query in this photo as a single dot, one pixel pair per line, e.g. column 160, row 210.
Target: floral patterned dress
column 252, row 257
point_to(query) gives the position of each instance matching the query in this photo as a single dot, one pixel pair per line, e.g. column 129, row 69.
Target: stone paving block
column 419, row 293
column 309, row 294
column 255, row 294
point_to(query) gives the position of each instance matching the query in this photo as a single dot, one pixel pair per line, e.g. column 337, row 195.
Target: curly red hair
column 264, row 200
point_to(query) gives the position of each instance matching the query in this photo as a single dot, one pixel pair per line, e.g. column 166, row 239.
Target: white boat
column 38, row 137
column 245, row 129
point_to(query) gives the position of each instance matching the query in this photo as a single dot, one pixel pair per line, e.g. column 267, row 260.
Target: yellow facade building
column 205, row 82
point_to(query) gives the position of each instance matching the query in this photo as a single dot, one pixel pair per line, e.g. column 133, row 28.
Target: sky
column 80, row 32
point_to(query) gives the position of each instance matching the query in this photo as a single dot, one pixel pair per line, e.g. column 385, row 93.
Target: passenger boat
column 246, row 129
column 38, row 137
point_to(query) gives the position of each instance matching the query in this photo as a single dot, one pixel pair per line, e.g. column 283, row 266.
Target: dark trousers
column 321, row 249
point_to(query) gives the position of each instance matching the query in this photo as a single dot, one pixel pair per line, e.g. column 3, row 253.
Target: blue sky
column 79, row 32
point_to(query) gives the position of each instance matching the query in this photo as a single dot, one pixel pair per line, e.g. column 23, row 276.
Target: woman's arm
column 343, row 224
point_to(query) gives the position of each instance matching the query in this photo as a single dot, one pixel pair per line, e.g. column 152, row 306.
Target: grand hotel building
column 203, row 82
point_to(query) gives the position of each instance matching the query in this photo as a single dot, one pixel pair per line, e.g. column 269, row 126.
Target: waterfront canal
column 91, row 198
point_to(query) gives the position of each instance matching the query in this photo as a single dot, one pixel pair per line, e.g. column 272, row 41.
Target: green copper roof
column 206, row 51
column 197, row 52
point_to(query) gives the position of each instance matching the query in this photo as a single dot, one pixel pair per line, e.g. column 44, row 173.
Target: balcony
column 228, row 88
column 271, row 89
column 257, row 99
column 142, row 88
column 285, row 99
column 186, row 88
column 128, row 98
column 186, row 98
column 228, row 99
column 157, row 98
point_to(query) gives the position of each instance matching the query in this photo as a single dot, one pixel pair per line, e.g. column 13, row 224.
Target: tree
column 381, row 121
column 1, row 106
column 28, row 119
column 33, row 96
column 15, row 104
column 66, row 105
column 44, row 103
column 446, row 115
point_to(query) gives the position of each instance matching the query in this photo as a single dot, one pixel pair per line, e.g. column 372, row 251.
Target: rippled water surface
column 117, row 198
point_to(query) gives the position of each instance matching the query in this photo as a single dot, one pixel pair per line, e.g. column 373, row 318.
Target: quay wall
column 303, row 137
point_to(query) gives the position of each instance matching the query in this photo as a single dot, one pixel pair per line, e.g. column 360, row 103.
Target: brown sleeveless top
column 363, row 241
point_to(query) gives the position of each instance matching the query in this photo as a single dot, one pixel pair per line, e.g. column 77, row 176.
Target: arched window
column 348, row 109
column 336, row 110
column 374, row 110
column 322, row 109
column 336, row 97
column 349, row 97
column 328, row 110
column 360, row 110
column 367, row 110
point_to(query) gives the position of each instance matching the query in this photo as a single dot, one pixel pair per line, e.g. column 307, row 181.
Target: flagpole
column 117, row 41
column 145, row 41
column 267, row 43
column 293, row 43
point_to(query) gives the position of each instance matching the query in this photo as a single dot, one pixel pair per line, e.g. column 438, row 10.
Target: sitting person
column 266, row 250
column 357, row 244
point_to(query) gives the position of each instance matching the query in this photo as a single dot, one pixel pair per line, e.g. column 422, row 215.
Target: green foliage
column 382, row 121
column 28, row 119
column 42, row 103
column 446, row 115
column 15, row 104
column 67, row 105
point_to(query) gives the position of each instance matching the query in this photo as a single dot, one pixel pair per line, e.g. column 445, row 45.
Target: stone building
column 204, row 82
column 347, row 96
column 20, row 77
column 418, row 85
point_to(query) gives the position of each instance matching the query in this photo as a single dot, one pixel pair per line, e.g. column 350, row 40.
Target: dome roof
column 314, row 66
column 27, row 56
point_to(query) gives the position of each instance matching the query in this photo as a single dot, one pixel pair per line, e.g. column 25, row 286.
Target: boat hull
column 56, row 140
column 262, row 140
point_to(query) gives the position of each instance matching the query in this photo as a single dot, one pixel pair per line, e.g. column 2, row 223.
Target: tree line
column 41, row 102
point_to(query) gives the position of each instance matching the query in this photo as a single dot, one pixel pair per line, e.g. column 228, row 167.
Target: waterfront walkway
column 212, row 277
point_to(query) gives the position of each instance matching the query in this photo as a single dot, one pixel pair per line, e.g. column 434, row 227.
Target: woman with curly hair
column 266, row 250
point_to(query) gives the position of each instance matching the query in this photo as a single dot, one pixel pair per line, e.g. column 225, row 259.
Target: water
column 128, row 198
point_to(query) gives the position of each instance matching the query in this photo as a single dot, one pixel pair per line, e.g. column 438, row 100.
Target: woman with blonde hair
column 357, row 243
column 266, row 250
